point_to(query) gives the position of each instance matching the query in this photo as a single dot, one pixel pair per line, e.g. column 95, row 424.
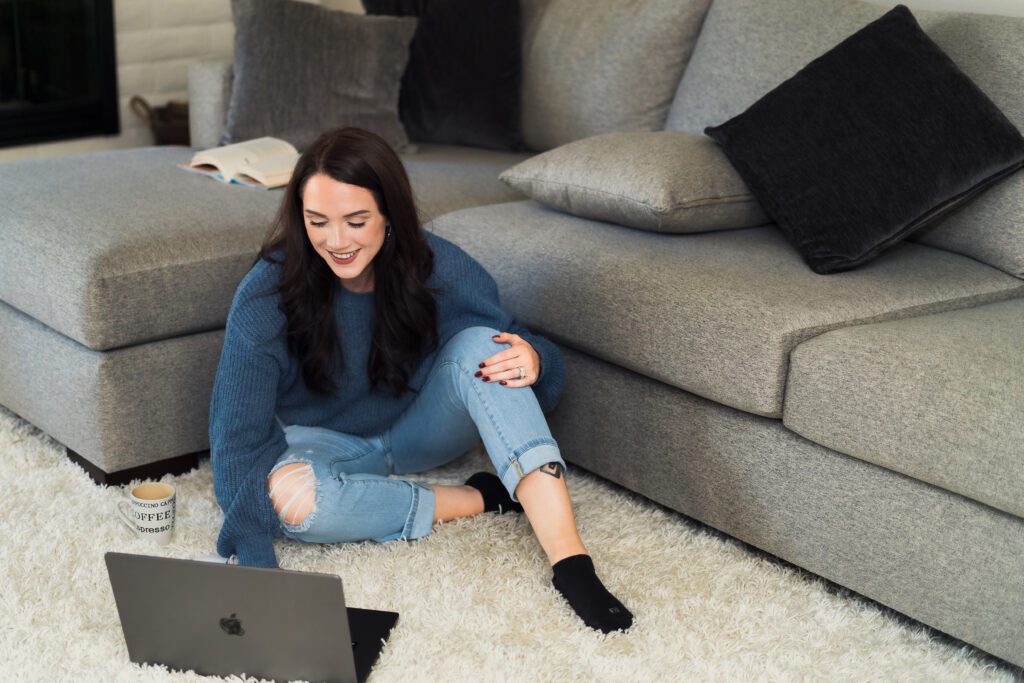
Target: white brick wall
column 156, row 41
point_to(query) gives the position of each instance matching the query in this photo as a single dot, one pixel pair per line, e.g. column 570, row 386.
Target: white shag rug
column 475, row 596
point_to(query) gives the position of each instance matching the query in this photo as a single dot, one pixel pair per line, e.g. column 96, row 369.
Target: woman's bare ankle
column 565, row 550
column 452, row 502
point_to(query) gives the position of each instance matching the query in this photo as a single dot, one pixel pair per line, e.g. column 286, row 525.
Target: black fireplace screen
column 58, row 74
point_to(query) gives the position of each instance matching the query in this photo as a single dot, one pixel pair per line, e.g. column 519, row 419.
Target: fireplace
column 58, row 71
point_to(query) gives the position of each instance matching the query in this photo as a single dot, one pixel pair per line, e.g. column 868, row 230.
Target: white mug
column 149, row 511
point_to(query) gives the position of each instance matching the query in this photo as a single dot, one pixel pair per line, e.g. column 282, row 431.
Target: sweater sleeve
column 245, row 442
column 478, row 303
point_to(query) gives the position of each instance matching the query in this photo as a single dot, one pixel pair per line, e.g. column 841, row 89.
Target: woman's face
column 341, row 219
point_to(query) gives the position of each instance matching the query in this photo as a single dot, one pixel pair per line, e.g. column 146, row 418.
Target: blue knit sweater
column 259, row 386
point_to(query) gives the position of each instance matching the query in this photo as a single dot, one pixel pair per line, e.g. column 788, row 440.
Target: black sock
column 576, row 580
column 496, row 498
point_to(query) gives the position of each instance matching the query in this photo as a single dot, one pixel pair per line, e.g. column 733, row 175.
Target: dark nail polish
column 486, row 378
column 504, row 383
column 478, row 373
column 481, row 365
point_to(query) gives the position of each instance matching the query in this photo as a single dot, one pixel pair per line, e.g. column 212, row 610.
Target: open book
column 264, row 163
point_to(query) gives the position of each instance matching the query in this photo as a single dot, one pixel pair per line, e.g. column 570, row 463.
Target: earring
column 388, row 233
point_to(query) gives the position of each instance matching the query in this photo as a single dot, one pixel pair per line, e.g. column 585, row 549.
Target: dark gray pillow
column 462, row 83
column 301, row 69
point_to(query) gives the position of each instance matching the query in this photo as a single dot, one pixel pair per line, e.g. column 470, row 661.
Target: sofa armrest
column 209, row 91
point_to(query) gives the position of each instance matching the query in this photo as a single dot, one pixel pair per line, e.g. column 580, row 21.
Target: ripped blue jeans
column 346, row 477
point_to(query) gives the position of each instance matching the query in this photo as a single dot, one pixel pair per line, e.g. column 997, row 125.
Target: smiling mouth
column 344, row 261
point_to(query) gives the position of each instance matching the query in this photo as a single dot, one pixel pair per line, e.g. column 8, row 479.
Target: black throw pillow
column 878, row 137
column 461, row 85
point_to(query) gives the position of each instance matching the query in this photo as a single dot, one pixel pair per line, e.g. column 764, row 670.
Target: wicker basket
column 169, row 122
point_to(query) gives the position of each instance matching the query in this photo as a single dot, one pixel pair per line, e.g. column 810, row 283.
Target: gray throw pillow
column 602, row 65
column 663, row 181
column 301, row 69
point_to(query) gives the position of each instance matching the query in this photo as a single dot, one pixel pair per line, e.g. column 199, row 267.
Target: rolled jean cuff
column 537, row 454
column 421, row 520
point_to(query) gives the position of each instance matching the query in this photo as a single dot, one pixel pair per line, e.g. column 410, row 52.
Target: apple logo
column 232, row 626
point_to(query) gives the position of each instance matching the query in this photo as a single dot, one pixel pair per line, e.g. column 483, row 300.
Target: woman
column 360, row 346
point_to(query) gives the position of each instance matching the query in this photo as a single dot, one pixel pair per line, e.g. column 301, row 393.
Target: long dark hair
column 405, row 312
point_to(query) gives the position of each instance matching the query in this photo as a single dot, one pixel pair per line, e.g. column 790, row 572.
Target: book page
column 265, row 182
column 272, row 170
column 266, row 152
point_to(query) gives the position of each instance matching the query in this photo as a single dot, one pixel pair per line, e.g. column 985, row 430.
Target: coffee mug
column 149, row 511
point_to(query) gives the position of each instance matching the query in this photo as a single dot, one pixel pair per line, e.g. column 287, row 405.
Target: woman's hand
column 504, row 365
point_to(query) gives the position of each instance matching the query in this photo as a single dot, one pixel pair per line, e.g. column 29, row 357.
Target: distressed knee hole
column 293, row 492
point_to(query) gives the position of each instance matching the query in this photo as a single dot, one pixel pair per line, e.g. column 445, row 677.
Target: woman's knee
column 355, row 507
column 472, row 345
column 292, row 490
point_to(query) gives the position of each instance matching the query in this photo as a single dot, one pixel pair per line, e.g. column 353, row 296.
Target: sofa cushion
column 611, row 65
column 462, row 84
column 119, row 247
column 300, row 69
column 937, row 397
column 714, row 313
column 449, row 177
column 878, row 137
column 747, row 47
column 666, row 181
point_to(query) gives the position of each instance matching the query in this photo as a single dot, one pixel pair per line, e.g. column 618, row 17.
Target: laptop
column 224, row 619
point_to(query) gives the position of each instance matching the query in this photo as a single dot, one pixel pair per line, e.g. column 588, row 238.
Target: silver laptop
column 223, row 619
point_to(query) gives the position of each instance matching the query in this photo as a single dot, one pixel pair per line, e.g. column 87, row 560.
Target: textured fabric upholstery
column 449, row 177
column 938, row 398
column 119, row 247
column 120, row 408
column 612, row 66
column 748, row 47
column 715, row 313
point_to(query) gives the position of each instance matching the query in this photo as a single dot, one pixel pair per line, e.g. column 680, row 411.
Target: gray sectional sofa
column 864, row 425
